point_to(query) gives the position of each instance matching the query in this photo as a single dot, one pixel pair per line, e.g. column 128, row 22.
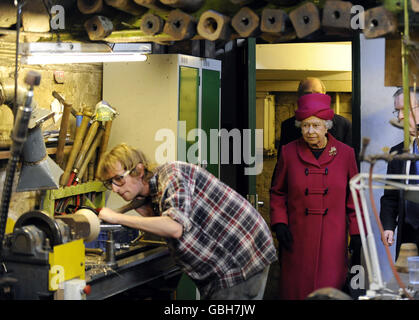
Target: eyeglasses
column 397, row 112
column 118, row 180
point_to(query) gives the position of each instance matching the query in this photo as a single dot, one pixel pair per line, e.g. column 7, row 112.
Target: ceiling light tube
column 58, row 53
column 59, row 58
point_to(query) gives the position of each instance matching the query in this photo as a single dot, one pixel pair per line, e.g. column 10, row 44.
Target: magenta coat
column 313, row 198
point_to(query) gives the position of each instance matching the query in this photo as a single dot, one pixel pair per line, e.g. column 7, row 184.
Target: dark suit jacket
column 341, row 130
column 393, row 206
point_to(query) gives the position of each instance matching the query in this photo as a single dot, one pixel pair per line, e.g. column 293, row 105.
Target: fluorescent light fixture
column 60, row 58
column 58, row 53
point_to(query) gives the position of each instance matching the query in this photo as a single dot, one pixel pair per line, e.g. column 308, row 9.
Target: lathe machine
column 45, row 258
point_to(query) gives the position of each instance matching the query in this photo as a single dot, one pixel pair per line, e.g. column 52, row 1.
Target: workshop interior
column 78, row 77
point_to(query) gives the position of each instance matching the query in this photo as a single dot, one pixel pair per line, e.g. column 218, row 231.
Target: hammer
column 59, row 156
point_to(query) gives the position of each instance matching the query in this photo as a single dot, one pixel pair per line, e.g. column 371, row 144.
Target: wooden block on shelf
column 393, row 65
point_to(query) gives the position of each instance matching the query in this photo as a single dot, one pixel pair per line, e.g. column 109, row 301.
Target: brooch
column 332, row 151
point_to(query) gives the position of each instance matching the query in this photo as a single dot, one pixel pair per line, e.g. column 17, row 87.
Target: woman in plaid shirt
column 214, row 234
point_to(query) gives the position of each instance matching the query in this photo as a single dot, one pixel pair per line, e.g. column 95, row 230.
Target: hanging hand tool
column 59, row 156
column 84, row 157
column 91, row 167
column 105, row 113
column 87, row 142
column 78, row 140
column 90, row 154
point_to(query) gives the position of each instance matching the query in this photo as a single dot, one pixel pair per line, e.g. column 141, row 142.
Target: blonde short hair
column 127, row 156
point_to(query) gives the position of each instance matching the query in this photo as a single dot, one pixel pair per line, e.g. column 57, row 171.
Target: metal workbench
column 147, row 269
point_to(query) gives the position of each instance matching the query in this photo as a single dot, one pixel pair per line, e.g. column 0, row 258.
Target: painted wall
column 376, row 108
column 305, row 56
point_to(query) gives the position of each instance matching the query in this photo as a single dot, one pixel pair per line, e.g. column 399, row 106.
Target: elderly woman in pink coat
column 312, row 210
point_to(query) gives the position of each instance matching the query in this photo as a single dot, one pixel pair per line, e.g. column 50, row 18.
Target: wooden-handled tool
column 104, row 142
column 90, row 153
column 78, row 140
column 91, row 167
column 57, row 96
column 104, row 114
column 59, row 156
column 87, row 142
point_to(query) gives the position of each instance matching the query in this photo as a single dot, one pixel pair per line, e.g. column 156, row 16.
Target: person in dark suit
column 395, row 211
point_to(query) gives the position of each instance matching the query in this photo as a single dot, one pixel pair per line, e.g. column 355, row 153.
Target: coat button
column 306, row 171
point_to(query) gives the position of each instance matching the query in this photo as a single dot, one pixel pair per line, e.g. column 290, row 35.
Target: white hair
column 328, row 124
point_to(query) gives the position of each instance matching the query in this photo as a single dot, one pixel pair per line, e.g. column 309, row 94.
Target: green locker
column 188, row 111
column 199, row 108
column 210, row 118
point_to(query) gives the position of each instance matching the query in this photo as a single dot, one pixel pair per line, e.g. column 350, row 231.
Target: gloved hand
column 355, row 245
column 283, row 235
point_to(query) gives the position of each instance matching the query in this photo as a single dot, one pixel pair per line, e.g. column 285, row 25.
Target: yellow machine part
column 67, row 261
column 10, row 224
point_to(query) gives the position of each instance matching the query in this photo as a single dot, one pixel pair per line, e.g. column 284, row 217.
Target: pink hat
column 314, row 104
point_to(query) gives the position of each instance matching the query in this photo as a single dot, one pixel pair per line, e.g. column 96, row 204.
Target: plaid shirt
column 225, row 240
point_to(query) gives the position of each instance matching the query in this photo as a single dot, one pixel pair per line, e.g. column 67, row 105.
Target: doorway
column 279, row 69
